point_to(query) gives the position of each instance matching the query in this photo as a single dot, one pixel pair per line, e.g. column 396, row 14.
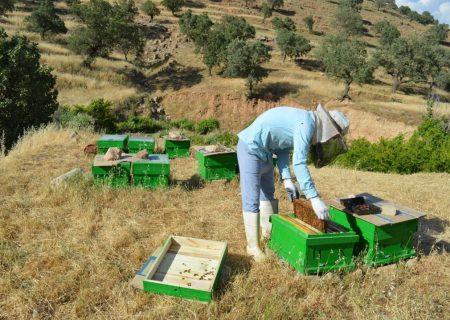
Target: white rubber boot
column 266, row 209
column 251, row 223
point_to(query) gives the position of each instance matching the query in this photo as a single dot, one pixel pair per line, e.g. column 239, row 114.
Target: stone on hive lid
column 112, row 154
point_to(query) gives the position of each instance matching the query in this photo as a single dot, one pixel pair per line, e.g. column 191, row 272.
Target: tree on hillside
column 150, row 9
column 27, row 88
column 379, row 4
column 173, row 5
column 266, row 10
column 249, row 2
column 45, row 19
column 128, row 36
column 236, row 28
column 214, row 50
column 387, row 32
column 220, row 36
column 244, row 60
column 5, row 6
column 348, row 20
column 195, row 27
column 437, row 33
column 346, row 60
column 309, row 22
column 292, row 45
column 275, row 4
column 354, row 4
column 286, row 23
column 431, row 59
column 95, row 38
column 413, row 60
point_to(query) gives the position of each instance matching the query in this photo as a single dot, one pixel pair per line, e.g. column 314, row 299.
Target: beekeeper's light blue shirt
column 279, row 130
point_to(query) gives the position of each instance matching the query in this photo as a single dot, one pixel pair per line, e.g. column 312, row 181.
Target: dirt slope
column 71, row 253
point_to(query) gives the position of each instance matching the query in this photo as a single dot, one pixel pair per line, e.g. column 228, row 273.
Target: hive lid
column 212, row 150
column 379, row 219
column 113, row 137
column 143, row 139
column 153, row 158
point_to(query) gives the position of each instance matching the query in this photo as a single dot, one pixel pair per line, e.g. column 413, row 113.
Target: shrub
column 223, row 138
column 427, row 150
column 75, row 121
column 309, row 22
column 206, row 126
column 184, row 124
column 139, row 124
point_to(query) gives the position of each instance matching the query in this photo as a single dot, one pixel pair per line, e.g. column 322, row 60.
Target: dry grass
column 70, row 253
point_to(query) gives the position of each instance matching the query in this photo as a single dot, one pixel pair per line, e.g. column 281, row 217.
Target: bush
column 76, row 121
column 206, row 126
column 184, row 124
column 139, row 124
column 223, row 138
column 100, row 110
column 427, row 150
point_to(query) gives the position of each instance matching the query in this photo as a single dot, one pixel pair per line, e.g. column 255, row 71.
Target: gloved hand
column 291, row 190
column 320, row 208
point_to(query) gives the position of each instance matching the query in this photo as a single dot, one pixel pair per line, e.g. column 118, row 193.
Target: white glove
column 291, row 190
column 320, row 208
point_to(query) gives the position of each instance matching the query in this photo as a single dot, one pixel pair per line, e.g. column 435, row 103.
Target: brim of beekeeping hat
column 331, row 128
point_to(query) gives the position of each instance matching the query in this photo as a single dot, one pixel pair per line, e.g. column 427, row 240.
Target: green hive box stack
column 310, row 251
column 177, row 148
column 112, row 140
column 153, row 172
column 112, row 173
column 136, row 144
column 384, row 238
column 216, row 165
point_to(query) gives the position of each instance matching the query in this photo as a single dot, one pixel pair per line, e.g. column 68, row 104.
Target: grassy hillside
column 188, row 91
column 71, row 253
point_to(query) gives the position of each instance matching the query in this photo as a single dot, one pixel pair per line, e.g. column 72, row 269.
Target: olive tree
column 266, row 10
column 95, row 37
column 291, row 44
column 150, row 9
column 27, row 87
column 348, row 20
column 345, row 60
column 45, row 19
column 244, row 59
column 309, row 22
column 173, row 5
column 5, row 6
column 387, row 32
column 195, row 27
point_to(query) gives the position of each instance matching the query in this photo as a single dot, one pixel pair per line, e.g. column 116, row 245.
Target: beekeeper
column 277, row 132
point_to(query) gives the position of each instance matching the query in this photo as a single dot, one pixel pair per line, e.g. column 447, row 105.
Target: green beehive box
column 112, row 140
column 310, row 251
column 153, row 172
column 384, row 239
column 136, row 144
column 216, row 166
column 183, row 267
column 177, row 148
column 116, row 174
